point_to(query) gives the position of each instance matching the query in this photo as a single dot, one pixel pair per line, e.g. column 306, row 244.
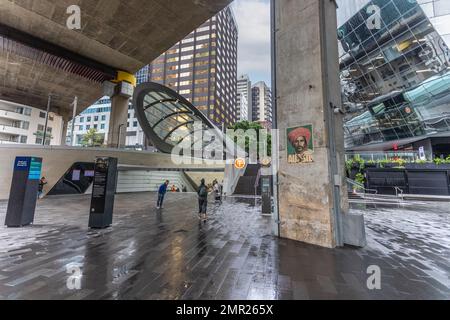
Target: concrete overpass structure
column 40, row 55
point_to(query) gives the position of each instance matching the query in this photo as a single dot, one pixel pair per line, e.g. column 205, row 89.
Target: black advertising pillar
column 103, row 192
column 266, row 194
column 266, row 185
column 24, row 191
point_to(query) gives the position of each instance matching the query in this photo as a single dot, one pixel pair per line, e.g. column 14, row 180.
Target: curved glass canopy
column 166, row 117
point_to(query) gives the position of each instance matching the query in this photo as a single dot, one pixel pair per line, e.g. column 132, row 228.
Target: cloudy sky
column 253, row 17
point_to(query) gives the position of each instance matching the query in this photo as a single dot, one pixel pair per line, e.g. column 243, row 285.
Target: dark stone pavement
column 170, row 254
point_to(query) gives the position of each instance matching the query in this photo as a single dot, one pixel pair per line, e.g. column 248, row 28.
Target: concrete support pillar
column 65, row 126
column 312, row 188
column 118, row 120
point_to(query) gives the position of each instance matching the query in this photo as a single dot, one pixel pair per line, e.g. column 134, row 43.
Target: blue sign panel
column 35, row 169
column 22, row 164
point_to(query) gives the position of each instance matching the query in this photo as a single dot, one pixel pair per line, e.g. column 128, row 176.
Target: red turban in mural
column 299, row 132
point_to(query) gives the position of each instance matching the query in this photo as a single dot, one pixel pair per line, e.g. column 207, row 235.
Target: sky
column 253, row 18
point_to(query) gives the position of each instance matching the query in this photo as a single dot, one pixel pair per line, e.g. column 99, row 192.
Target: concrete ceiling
column 120, row 34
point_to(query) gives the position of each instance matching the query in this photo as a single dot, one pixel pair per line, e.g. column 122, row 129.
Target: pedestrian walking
column 161, row 193
column 217, row 192
column 202, row 200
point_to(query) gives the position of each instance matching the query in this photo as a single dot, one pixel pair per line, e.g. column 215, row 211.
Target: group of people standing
column 202, row 193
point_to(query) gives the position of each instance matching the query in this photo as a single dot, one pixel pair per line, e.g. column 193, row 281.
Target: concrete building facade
column 20, row 124
column 97, row 117
column 262, row 104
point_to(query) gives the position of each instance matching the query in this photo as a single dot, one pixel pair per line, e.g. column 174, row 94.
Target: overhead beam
column 58, row 51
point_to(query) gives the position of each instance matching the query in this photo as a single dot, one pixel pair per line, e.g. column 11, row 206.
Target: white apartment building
column 21, row 124
column 243, row 108
column 262, row 104
column 244, row 98
column 97, row 117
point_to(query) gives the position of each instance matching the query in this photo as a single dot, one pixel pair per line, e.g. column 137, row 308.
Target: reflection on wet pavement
column 171, row 254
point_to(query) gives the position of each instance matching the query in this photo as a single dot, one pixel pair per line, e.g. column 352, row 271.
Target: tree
column 92, row 139
column 246, row 125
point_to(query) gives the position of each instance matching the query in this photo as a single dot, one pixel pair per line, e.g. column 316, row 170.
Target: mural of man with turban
column 301, row 147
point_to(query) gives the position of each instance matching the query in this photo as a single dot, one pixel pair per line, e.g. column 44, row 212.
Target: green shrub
column 360, row 178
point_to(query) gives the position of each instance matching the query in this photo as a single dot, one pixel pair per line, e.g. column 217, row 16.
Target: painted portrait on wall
column 300, row 145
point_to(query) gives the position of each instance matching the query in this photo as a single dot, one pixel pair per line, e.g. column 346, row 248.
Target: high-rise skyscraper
column 203, row 68
column 262, row 104
column 244, row 98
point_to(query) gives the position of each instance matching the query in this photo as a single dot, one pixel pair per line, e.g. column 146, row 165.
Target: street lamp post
column 75, row 105
column 46, row 119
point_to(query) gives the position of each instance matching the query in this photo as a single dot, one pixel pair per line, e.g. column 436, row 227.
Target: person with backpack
column 161, row 193
column 202, row 199
column 42, row 183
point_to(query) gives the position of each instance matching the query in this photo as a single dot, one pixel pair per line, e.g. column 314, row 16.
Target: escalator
column 76, row 180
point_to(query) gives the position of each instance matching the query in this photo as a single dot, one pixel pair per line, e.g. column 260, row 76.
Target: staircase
column 246, row 183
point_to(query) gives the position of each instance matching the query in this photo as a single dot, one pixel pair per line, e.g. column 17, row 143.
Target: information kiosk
column 24, row 191
column 103, row 192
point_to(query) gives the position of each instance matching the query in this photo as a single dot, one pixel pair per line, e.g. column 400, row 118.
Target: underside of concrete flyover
column 40, row 55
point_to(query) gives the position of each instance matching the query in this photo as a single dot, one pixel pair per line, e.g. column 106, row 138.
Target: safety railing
column 399, row 193
column 356, row 186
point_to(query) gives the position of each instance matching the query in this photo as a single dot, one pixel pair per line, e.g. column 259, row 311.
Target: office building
column 244, row 98
column 97, row 117
column 262, row 104
column 203, row 68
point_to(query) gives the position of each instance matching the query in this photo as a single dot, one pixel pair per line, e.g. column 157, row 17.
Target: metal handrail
column 361, row 186
column 397, row 189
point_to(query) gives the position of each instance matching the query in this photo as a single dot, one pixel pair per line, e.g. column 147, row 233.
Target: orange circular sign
column 239, row 163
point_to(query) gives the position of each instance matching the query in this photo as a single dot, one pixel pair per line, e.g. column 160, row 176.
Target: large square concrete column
column 117, row 133
column 312, row 191
column 65, row 126
column 118, row 121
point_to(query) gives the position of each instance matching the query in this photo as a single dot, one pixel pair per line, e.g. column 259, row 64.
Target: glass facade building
column 203, row 68
column 395, row 69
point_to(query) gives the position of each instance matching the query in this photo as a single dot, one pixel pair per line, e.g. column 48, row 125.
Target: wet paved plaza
column 170, row 254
